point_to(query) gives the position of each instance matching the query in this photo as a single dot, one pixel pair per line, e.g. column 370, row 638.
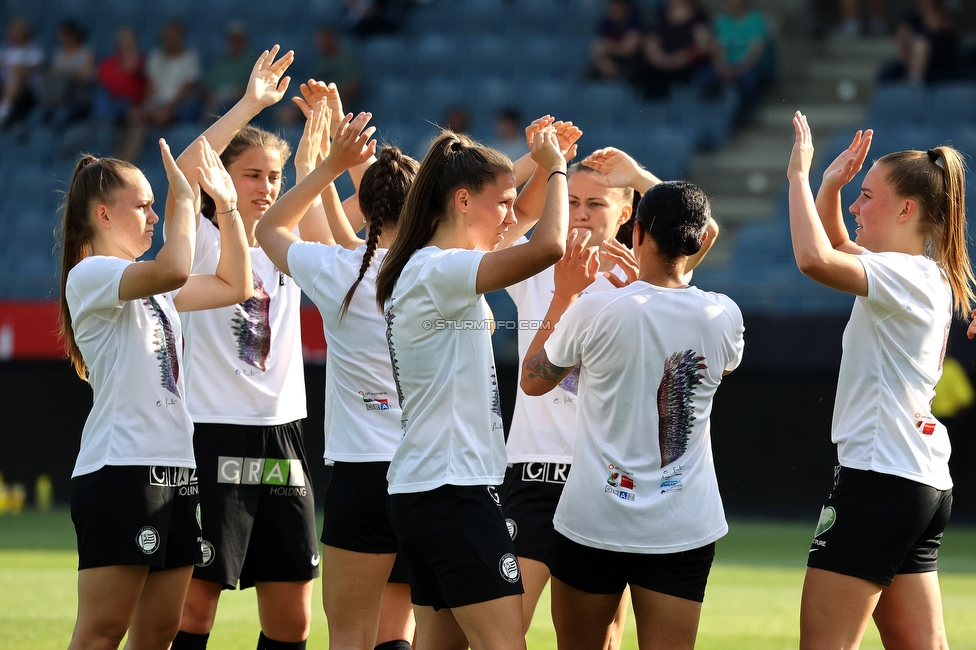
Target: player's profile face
column 131, row 215
column 875, row 209
column 490, row 212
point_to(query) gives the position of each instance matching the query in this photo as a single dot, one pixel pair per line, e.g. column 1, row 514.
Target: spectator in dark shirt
column 613, row 52
column 927, row 44
column 677, row 47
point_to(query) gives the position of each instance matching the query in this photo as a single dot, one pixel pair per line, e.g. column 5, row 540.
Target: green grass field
column 752, row 601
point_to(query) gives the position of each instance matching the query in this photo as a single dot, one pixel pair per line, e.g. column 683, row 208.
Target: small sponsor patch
column 926, row 425
column 827, row 518
column 509, row 568
column 147, row 539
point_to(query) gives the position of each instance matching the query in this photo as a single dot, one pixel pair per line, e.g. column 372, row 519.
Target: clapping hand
column 266, row 86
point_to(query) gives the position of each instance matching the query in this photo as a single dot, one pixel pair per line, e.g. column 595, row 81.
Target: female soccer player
column 366, row 604
column 444, row 503
column 543, row 434
column 133, row 489
column 651, row 356
column 246, row 395
column 875, row 548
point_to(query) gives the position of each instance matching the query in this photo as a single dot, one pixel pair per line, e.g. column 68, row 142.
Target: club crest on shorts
column 827, row 518
column 208, row 553
column 147, row 539
column 509, row 568
column 512, row 528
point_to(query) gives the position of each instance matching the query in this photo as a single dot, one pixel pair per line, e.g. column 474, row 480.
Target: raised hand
column 567, row 134
column 266, row 86
column 214, row 179
column 578, row 267
column 802, row 155
column 622, row 257
column 315, row 91
column 352, row 145
column 545, row 151
column 846, row 166
column 311, row 144
column 177, row 181
column 615, row 167
column 535, row 126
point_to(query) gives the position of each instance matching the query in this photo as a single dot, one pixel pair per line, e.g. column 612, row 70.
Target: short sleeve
column 450, row 278
column 735, row 339
column 93, row 286
column 307, row 260
column 889, row 287
column 565, row 346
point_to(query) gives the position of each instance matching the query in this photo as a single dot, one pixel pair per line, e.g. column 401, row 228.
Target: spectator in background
column 336, row 65
column 927, row 44
column 20, row 73
column 121, row 79
column 850, row 17
column 173, row 71
column 614, row 51
column 367, row 17
column 740, row 58
column 509, row 134
column 675, row 49
column 69, row 83
column 227, row 78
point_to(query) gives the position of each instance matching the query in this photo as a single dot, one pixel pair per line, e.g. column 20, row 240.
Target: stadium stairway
column 830, row 80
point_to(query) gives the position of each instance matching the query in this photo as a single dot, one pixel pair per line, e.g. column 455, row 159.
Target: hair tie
column 456, row 145
column 935, row 157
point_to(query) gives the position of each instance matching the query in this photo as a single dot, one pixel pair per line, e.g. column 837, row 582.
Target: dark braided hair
column 382, row 193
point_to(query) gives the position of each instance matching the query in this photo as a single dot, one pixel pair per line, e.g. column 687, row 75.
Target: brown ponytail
column 936, row 179
column 382, row 193
column 95, row 180
column 453, row 161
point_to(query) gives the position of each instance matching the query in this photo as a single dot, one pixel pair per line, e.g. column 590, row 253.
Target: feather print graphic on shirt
column 252, row 327
column 676, row 412
column 169, row 367
column 496, row 403
column 570, row 382
column 389, row 316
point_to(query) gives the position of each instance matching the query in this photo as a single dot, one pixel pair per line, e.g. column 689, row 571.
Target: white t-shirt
column 643, row 479
column 544, row 427
column 244, row 362
column 362, row 412
column 893, row 350
column 133, row 352
column 440, row 346
column 169, row 74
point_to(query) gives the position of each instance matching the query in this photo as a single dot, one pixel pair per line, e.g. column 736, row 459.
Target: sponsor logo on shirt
column 671, row 480
column 184, row 478
column 375, row 401
column 620, row 484
column 546, row 472
column 285, row 475
column 926, row 424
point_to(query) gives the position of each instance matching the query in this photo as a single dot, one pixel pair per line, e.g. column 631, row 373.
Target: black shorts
column 137, row 515
column 256, row 503
column 456, row 545
column 532, row 493
column 356, row 514
column 875, row 526
column 598, row 571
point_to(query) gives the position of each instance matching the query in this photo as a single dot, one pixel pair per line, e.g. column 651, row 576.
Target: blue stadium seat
column 394, row 100
column 953, row 105
column 438, row 94
column 383, row 56
column 897, row 104
column 436, row 54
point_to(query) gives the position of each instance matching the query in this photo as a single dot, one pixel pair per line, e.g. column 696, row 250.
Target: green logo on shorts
column 827, row 518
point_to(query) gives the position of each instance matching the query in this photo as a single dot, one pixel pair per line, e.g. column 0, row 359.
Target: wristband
column 558, row 171
column 232, row 210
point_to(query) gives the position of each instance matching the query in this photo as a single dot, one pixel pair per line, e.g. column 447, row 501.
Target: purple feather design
column 169, row 367
column 570, row 382
column 676, row 411
column 252, row 327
